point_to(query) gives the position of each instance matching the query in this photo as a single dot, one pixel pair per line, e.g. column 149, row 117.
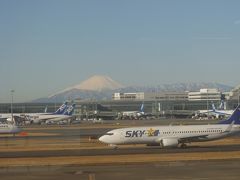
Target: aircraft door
column 122, row 136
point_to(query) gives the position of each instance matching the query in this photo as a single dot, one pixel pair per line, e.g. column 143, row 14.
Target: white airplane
column 8, row 116
column 204, row 112
column 174, row 136
column 9, row 129
column 63, row 113
column 216, row 112
column 221, row 111
column 134, row 113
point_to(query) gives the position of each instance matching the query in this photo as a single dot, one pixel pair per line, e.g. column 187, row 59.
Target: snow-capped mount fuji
column 96, row 87
column 95, row 83
column 99, row 83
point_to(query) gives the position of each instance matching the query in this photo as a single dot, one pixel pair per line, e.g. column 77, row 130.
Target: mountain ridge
column 105, row 91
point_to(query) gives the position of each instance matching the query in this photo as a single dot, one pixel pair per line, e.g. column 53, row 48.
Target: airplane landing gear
column 113, row 146
column 183, row 145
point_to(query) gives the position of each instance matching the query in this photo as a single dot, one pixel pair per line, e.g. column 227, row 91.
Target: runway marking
column 28, row 144
column 30, row 134
column 77, row 127
column 118, row 159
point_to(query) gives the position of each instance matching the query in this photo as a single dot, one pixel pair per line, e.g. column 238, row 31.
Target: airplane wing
column 221, row 113
column 188, row 139
column 193, row 138
column 203, row 137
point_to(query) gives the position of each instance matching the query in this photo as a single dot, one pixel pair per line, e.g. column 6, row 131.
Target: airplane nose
column 102, row 139
column 19, row 129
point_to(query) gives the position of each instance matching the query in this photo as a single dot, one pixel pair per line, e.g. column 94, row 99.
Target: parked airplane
column 31, row 116
column 63, row 113
column 221, row 111
column 174, row 136
column 204, row 112
column 134, row 113
column 215, row 112
column 9, row 129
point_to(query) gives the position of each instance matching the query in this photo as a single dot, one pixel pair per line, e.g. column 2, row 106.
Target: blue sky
column 48, row 45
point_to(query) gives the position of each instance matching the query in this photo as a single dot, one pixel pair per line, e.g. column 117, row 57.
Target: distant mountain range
column 178, row 87
column 102, row 88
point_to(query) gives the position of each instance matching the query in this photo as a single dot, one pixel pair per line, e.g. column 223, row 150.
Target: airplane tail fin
column 221, row 106
column 69, row 111
column 213, row 107
column 62, row 108
column 235, row 117
column 45, row 110
column 142, row 108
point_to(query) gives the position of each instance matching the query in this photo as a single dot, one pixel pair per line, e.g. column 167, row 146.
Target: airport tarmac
column 180, row 170
column 63, row 152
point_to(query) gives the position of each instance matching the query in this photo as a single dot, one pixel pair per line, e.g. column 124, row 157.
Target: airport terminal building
column 162, row 104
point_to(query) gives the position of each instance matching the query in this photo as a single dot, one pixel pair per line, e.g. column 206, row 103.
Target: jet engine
column 171, row 142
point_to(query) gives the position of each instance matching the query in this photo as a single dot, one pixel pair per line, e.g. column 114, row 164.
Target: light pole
column 12, row 91
column 207, row 104
column 238, row 95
